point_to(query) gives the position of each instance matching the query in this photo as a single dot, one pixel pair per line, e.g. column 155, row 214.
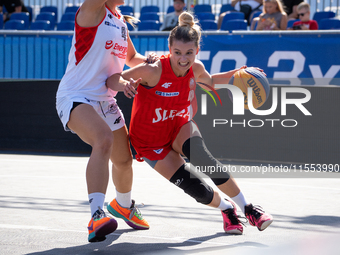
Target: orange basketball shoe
column 132, row 216
column 100, row 225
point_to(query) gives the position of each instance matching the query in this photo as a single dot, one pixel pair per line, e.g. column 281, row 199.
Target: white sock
column 224, row 205
column 240, row 200
column 96, row 200
column 124, row 199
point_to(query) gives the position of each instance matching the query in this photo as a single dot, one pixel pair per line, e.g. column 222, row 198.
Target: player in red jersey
column 161, row 128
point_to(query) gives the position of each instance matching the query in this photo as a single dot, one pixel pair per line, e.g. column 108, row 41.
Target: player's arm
column 134, row 58
column 117, row 83
column 91, row 13
column 127, row 81
column 203, row 77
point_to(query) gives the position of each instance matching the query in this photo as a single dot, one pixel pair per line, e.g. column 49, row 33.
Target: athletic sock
column 96, row 200
column 124, row 199
column 224, row 205
column 240, row 200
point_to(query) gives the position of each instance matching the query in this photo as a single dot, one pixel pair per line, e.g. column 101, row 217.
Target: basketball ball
column 250, row 77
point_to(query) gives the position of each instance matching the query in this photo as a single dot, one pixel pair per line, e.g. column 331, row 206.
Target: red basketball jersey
column 158, row 113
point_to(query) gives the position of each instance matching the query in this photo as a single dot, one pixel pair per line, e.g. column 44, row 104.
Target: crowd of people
column 275, row 14
column 11, row 6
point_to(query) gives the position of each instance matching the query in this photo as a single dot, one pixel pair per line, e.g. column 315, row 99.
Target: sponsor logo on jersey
column 110, row 24
column 167, row 85
column 110, row 16
column 191, row 83
column 119, row 51
column 124, row 33
column 109, row 44
column 163, row 115
column 167, row 94
column 159, row 151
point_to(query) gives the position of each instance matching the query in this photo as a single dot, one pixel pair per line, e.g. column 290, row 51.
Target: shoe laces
column 255, row 211
column 99, row 214
column 135, row 210
column 234, row 218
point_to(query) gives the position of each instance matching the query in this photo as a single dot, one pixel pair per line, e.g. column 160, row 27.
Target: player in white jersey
column 100, row 47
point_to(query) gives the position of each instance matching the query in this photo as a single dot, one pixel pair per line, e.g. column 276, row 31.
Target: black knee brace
column 198, row 154
column 192, row 185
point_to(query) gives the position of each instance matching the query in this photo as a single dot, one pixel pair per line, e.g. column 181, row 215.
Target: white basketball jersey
column 96, row 53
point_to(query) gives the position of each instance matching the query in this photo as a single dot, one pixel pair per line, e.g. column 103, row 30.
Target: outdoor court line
column 184, row 239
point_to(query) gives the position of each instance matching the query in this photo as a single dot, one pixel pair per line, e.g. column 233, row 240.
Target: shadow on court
column 109, row 247
column 44, row 208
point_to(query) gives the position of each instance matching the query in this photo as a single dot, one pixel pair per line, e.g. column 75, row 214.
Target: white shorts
column 108, row 110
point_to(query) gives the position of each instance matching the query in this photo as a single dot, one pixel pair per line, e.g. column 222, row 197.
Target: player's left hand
column 261, row 70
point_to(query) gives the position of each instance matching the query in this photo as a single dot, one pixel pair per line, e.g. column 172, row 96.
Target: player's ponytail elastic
column 187, row 30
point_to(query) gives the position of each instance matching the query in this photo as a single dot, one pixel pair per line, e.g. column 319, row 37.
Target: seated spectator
column 273, row 17
column 290, row 7
column 171, row 19
column 11, row 7
column 305, row 22
column 246, row 6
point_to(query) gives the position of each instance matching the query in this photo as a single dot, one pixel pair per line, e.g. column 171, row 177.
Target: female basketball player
column 161, row 128
column 101, row 46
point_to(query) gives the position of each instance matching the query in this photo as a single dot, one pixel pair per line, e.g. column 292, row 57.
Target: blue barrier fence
column 310, row 58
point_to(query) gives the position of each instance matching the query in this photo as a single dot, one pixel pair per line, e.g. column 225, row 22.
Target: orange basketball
column 251, row 78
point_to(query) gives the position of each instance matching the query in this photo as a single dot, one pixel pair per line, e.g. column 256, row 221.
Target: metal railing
column 316, row 5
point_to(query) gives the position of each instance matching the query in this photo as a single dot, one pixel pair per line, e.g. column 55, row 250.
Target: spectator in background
column 273, row 16
column 291, row 8
column 171, row 19
column 246, row 6
column 11, row 7
column 305, row 23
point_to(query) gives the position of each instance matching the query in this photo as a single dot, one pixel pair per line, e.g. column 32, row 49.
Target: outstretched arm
column 203, row 77
column 127, row 81
column 117, row 83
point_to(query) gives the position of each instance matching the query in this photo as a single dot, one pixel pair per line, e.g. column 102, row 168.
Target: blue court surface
column 44, row 210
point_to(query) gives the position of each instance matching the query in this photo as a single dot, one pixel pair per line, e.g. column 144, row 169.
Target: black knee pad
column 195, row 150
column 192, row 185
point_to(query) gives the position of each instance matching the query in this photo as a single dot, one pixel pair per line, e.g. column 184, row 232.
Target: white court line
column 184, row 239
